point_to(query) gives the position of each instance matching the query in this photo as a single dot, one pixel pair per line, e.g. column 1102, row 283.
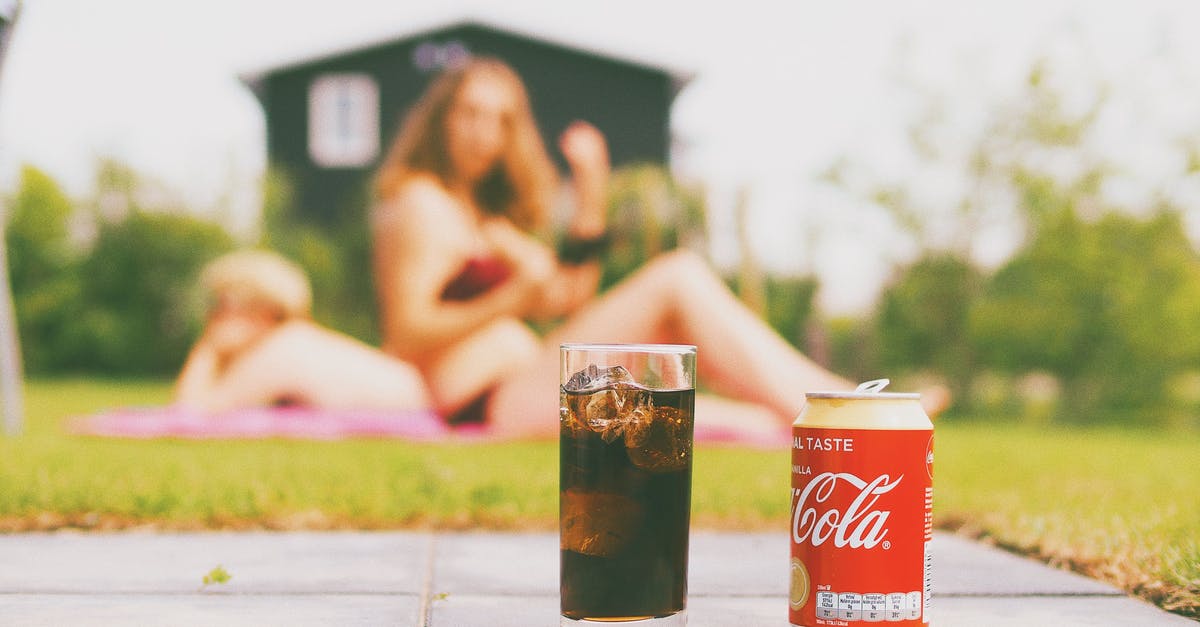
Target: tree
column 119, row 302
column 1102, row 293
column 1109, row 306
column 44, row 265
column 650, row 212
column 922, row 319
column 336, row 256
column 130, row 315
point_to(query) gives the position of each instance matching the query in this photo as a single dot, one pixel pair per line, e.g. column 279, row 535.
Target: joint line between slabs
column 60, row 592
column 425, row 613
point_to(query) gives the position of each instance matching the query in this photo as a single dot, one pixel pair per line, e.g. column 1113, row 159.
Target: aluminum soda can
column 862, row 509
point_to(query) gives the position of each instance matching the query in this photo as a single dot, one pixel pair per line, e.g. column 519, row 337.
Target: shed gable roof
column 679, row 77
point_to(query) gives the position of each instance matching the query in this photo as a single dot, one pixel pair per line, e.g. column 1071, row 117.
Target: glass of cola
column 626, row 416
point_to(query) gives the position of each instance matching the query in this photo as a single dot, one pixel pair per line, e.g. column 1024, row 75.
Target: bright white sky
column 779, row 94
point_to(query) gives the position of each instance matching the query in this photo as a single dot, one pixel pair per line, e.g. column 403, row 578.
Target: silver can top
column 868, row 390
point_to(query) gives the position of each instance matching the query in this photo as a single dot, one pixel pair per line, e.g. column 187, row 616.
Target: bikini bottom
column 473, row 413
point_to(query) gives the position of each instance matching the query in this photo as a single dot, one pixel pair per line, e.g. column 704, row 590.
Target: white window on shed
column 343, row 120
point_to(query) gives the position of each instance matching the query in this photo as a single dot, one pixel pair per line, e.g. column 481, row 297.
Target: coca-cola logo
column 861, row 525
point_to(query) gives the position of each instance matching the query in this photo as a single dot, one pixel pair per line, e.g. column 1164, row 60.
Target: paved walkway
column 490, row 579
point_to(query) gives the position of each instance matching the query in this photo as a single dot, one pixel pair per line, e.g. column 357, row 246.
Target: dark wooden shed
column 330, row 118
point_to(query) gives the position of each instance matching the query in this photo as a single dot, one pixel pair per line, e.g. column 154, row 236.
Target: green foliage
column 1110, row 306
column 649, row 212
column 41, row 264
column 853, row 349
column 139, row 274
column 116, row 303
column 336, row 257
column 1096, row 311
column 217, row 575
column 37, row 231
column 922, row 318
column 787, row 303
column 790, row 305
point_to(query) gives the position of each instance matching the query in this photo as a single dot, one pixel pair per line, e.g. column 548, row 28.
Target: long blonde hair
column 522, row 183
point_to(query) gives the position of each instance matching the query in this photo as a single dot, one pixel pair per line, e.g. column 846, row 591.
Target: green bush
column 649, row 212
column 136, row 283
column 853, row 349
column 117, row 303
column 921, row 321
column 786, row 303
column 41, row 264
column 1098, row 308
column 336, row 256
column 1110, row 307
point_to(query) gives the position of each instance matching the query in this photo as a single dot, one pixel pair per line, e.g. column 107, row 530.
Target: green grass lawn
column 1119, row 505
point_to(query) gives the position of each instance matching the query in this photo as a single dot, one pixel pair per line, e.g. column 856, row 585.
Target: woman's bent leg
column 675, row 298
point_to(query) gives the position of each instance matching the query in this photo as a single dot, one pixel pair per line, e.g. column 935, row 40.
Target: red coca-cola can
column 862, row 509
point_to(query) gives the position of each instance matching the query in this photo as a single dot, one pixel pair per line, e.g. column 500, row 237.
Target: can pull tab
column 872, row 387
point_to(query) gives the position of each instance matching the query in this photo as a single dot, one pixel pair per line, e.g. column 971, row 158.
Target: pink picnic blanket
column 324, row 424
column 300, row 423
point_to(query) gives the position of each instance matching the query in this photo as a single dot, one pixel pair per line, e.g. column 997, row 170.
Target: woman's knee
column 519, row 344
column 678, row 264
column 681, row 269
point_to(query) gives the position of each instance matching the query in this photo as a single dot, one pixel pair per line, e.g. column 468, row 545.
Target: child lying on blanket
column 260, row 347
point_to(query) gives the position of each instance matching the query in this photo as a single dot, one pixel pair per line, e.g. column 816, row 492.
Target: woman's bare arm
column 568, row 286
column 572, row 286
column 586, row 152
column 198, row 377
column 203, row 385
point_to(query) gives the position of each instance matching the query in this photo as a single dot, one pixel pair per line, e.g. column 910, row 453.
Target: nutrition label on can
column 870, row 607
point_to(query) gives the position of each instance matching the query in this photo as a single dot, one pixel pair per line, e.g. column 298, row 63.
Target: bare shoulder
column 422, row 221
column 420, row 197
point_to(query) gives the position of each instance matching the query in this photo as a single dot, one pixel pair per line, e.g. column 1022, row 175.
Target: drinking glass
column 626, row 416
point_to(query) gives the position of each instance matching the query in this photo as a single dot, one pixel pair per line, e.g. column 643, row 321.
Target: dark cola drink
column 625, row 497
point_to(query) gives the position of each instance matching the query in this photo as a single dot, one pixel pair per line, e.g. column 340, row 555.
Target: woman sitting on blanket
column 462, row 198
column 259, row 347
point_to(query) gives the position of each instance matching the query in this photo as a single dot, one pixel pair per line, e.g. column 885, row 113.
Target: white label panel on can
column 850, row 606
column 874, row 605
column 827, row 605
column 897, row 607
column 914, row 605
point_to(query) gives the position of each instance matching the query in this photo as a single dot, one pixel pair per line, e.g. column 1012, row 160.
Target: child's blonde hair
column 262, row 278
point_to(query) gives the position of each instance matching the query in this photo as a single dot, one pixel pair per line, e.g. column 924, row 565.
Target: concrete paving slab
column 487, row 579
column 526, row 611
column 476, row 563
column 176, row 563
column 964, row 567
column 719, row 611
column 724, row 564
column 527, row 564
column 740, row 611
column 494, row 610
column 755, row 563
column 206, row 610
